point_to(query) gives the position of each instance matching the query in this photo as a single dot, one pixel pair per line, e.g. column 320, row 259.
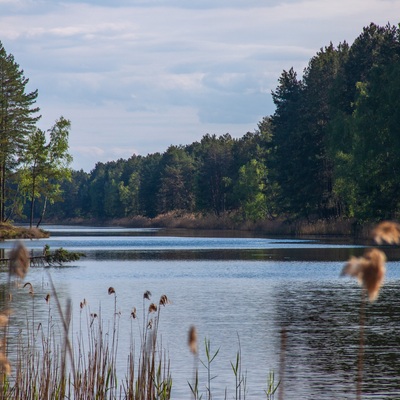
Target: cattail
column 147, row 295
column 152, row 308
column 369, row 270
column 192, row 339
column 387, row 232
column 19, row 260
column 111, row 290
column 164, row 300
column 133, row 313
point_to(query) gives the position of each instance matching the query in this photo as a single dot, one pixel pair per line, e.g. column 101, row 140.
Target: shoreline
column 9, row 231
column 345, row 228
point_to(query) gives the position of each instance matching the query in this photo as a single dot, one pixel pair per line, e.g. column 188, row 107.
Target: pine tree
column 18, row 117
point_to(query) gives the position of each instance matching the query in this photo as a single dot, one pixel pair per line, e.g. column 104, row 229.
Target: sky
column 136, row 76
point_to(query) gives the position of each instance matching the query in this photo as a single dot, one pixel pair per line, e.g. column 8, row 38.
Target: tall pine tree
column 18, row 117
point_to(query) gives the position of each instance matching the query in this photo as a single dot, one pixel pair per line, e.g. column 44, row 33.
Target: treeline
column 215, row 175
column 331, row 149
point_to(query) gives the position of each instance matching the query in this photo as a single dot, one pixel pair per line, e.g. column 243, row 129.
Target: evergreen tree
column 17, row 121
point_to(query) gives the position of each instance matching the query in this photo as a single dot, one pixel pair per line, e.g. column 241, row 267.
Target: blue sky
column 135, row 76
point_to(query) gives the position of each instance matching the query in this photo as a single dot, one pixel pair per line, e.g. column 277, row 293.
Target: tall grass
column 45, row 361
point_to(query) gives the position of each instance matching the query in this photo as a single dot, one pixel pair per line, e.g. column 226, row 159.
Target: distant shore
column 277, row 227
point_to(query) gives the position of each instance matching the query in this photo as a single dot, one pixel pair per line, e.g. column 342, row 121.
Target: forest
column 331, row 150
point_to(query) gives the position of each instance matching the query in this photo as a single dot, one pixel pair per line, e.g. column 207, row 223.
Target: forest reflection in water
column 249, row 288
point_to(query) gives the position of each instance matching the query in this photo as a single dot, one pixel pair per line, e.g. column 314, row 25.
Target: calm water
column 233, row 287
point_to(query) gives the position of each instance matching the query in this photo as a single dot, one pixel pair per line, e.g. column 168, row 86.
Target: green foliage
column 250, row 190
column 45, row 165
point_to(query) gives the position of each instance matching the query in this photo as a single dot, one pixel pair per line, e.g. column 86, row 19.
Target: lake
column 232, row 286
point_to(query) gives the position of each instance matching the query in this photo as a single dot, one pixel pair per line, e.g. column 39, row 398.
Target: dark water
column 235, row 288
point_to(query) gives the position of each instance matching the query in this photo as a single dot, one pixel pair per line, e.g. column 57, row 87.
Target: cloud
column 143, row 74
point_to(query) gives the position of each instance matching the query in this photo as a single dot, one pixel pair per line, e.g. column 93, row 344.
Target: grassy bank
column 9, row 231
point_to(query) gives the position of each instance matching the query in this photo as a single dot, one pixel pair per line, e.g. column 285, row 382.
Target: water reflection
column 322, row 325
column 234, row 286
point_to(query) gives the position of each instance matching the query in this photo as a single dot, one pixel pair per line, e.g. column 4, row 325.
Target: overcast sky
column 135, row 76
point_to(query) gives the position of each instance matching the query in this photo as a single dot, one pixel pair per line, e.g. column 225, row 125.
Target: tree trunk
column 32, row 200
column 42, row 213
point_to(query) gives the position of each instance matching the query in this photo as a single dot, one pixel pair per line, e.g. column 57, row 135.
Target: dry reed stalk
column 43, row 372
column 282, row 363
column 193, row 347
column 369, row 270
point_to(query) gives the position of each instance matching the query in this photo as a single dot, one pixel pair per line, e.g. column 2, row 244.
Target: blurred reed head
column 111, row 290
column 3, row 320
column 387, row 232
column 133, row 313
column 192, row 339
column 164, row 300
column 19, row 260
column 369, row 270
column 147, row 295
column 152, row 308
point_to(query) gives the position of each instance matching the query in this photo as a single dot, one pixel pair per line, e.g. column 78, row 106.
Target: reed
column 45, row 363
column 370, row 271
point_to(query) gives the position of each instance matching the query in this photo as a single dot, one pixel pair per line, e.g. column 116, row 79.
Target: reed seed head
column 164, row 300
column 147, row 295
column 83, row 303
column 31, row 292
column 19, row 260
column 3, row 320
column 152, row 308
column 369, row 270
column 93, row 315
column 192, row 339
column 47, row 298
column 133, row 313
column 111, row 290
column 387, row 232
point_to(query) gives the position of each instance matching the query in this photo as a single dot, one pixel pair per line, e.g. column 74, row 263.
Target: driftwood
column 49, row 258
